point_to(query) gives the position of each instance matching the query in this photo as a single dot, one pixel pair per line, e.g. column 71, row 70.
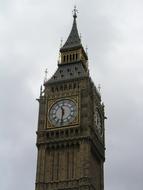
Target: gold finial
column 75, row 11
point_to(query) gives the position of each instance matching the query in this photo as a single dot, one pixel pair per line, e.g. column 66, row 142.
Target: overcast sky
column 30, row 33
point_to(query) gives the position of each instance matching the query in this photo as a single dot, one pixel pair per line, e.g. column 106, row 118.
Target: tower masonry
column 70, row 134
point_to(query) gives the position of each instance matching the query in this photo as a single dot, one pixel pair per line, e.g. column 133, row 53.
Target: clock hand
column 63, row 112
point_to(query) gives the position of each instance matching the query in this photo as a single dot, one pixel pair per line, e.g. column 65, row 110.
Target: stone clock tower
column 70, row 134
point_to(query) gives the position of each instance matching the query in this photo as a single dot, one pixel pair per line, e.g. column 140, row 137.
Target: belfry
column 70, row 134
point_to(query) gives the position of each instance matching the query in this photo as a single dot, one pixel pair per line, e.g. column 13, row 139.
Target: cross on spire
column 75, row 11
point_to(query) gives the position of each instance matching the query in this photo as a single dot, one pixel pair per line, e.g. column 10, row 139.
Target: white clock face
column 63, row 112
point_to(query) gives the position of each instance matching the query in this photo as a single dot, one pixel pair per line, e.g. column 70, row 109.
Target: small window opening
column 65, row 87
column 67, row 58
column 64, row 58
column 73, row 56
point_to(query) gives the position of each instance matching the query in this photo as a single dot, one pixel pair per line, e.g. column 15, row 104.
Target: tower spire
column 72, row 50
column 73, row 38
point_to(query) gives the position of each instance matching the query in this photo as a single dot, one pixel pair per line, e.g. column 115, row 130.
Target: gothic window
column 76, row 131
column 71, row 131
column 73, row 56
column 61, row 133
column 47, row 135
column 67, row 133
column 78, row 73
column 67, row 58
column 52, row 134
column 61, row 88
column 65, row 87
column 57, row 89
column 64, row 58
column 70, row 86
column 57, row 134
column 52, row 89
column 74, row 86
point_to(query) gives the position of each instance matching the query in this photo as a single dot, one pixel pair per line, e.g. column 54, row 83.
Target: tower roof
column 73, row 40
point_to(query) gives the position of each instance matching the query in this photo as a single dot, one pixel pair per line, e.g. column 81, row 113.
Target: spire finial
column 99, row 88
column 61, row 43
column 86, row 49
column 46, row 73
column 75, row 11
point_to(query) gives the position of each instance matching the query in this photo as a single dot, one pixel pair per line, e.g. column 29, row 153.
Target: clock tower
column 70, row 134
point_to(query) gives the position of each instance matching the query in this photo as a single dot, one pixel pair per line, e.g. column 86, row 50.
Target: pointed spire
column 73, row 40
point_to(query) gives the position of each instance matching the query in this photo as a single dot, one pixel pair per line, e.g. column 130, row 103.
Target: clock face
column 63, row 112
